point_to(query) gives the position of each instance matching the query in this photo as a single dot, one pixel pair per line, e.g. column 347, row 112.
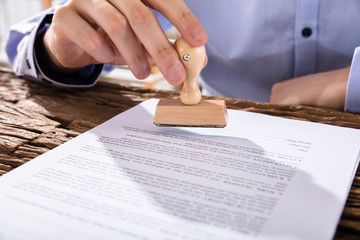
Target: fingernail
column 175, row 74
column 144, row 73
column 198, row 34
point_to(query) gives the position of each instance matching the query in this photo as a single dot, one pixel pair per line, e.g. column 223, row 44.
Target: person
column 287, row 52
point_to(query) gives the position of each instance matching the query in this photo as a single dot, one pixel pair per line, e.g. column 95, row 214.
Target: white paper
column 261, row 177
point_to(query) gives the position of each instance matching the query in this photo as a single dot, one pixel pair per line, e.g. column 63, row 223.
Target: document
column 260, row 177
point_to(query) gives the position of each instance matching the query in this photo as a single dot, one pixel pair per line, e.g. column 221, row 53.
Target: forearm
column 326, row 89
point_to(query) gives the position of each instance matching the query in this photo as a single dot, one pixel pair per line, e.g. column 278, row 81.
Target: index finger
column 148, row 30
column 179, row 14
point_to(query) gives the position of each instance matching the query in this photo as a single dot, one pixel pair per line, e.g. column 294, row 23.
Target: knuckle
column 115, row 22
column 136, row 60
column 61, row 12
column 59, row 21
column 187, row 18
column 92, row 44
column 141, row 15
column 164, row 52
column 118, row 24
column 187, row 22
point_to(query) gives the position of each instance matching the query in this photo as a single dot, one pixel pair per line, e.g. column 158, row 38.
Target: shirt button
column 306, row 32
column 28, row 63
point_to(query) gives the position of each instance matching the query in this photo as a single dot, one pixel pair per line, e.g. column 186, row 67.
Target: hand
column 327, row 89
column 120, row 32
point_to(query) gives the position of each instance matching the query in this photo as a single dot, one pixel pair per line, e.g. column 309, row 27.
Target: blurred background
column 13, row 11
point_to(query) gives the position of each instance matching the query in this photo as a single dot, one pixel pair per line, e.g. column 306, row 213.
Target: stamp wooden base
column 208, row 113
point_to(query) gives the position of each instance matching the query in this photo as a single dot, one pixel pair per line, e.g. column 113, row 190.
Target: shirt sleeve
column 24, row 45
column 19, row 46
column 352, row 102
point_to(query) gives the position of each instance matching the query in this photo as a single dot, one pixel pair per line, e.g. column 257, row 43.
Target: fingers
column 72, row 39
column 146, row 27
column 185, row 21
column 126, row 30
column 119, row 35
column 118, row 59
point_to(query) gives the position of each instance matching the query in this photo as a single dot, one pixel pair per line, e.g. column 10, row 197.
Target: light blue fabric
column 256, row 43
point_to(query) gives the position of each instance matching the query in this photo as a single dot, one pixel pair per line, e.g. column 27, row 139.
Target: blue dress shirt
column 252, row 45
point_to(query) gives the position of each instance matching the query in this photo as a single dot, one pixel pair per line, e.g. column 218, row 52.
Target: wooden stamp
column 190, row 110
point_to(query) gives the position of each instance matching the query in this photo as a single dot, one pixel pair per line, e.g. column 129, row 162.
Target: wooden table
column 35, row 118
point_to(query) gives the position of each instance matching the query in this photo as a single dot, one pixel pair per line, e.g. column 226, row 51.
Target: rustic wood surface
column 35, row 118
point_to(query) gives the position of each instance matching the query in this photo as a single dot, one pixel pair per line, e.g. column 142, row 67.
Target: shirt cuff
column 84, row 77
column 352, row 102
